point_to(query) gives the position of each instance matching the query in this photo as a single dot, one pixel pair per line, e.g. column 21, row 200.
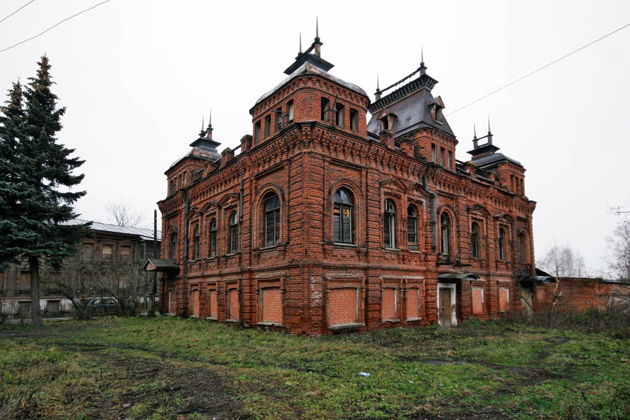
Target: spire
column 489, row 131
column 209, row 129
column 203, row 124
column 377, row 94
column 486, row 148
column 422, row 68
column 311, row 55
column 317, row 43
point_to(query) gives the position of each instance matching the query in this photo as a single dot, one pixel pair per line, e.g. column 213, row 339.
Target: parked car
column 103, row 306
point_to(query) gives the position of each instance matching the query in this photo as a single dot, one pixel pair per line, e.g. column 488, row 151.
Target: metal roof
column 309, row 68
column 144, row 234
column 163, row 265
column 412, row 112
column 458, row 276
column 494, row 159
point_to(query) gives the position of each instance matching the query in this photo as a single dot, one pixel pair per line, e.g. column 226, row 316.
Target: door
column 445, row 315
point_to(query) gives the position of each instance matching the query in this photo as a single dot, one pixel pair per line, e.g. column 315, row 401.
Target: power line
column 538, row 69
column 55, row 25
column 21, row 7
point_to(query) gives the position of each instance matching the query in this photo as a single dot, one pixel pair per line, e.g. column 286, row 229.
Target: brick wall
column 306, row 283
column 579, row 294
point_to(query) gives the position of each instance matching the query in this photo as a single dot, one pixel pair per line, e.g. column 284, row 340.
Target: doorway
column 447, row 316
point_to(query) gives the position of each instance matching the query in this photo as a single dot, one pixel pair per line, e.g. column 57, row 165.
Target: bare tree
column 619, row 245
column 76, row 284
column 123, row 214
column 563, row 261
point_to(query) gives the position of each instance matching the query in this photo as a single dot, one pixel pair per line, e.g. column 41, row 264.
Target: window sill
column 413, row 319
column 340, row 327
column 268, row 247
column 342, row 244
column 270, row 324
column 390, row 321
column 393, row 249
column 232, row 321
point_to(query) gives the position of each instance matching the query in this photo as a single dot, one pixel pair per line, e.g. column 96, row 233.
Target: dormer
column 509, row 173
column 310, row 94
column 408, row 110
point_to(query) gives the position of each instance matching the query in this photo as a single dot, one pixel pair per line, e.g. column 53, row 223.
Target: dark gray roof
column 156, row 264
column 411, row 104
column 494, row 159
column 309, row 68
column 144, row 234
column 458, row 276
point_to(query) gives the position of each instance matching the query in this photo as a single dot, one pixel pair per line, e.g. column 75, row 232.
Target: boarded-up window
column 343, row 306
column 504, row 299
column 171, row 302
column 233, row 306
column 87, row 251
column 106, row 251
column 125, row 251
column 390, row 304
column 477, row 300
column 213, row 310
column 194, row 303
column 413, row 304
column 271, row 305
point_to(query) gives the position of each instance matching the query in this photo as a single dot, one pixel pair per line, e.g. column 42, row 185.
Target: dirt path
column 155, row 381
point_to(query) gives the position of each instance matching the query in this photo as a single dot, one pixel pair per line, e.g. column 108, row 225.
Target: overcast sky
column 137, row 76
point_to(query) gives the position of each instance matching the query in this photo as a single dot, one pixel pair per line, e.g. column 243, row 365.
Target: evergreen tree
column 39, row 201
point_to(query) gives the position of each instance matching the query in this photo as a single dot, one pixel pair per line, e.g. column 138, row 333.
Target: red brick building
column 322, row 221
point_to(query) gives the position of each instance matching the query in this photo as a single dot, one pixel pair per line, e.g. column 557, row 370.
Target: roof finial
column 377, row 94
column 300, row 42
column 209, row 129
column 489, row 131
column 203, row 124
column 317, row 43
column 474, row 130
column 423, row 68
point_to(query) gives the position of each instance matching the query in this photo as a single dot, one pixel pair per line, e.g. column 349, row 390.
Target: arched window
column 343, row 217
column 522, row 248
column 445, row 234
column 474, row 240
column 196, row 242
column 233, row 233
column 172, row 249
column 412, row 227
column 212, row 246
column 501, row 244
column 271, row 219
column 389, row 224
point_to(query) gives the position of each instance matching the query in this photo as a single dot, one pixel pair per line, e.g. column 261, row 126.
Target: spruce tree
column 35, row 227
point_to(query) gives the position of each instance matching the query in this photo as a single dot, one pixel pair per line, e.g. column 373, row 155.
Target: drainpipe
column 186, row 211
column 432, row 209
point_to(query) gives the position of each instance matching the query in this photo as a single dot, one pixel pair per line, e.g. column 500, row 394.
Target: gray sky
column 137, row 76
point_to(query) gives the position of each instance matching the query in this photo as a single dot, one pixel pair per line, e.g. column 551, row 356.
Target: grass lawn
column 188, row 368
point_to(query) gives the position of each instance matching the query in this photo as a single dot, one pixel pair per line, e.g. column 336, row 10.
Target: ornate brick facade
column 323, row 222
